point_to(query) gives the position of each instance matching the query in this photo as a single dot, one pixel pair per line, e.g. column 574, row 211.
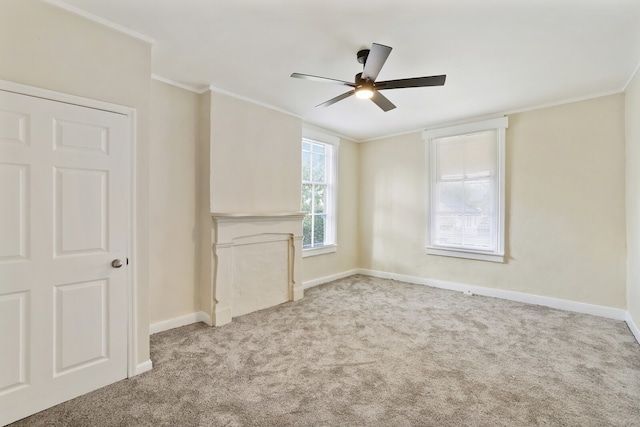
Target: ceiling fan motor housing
column 363, row 82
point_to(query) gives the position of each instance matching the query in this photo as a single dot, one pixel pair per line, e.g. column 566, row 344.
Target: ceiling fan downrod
column 362, row 56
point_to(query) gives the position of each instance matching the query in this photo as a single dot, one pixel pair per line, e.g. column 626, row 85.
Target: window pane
column 306, row 166
column 477, row 233
column 450, row 196
column 320, row 197
column 306, row 231
column 477, row 195
column 306, row 197
column 317, row 168
column 306, row 146
column 480, row 154
column 317, row 148
column 448, row 229
column 450, row 153
column 318, row 230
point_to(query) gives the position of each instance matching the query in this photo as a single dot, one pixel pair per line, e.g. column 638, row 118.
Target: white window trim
column 320, row 250
column 499, row 124
column 316, row 135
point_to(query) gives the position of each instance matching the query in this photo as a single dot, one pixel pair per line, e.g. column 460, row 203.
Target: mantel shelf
column 247, row 216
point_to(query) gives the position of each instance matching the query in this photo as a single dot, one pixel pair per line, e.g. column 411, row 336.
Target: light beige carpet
column 370, row 352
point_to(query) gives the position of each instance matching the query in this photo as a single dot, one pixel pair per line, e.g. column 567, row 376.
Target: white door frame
column 132, row 286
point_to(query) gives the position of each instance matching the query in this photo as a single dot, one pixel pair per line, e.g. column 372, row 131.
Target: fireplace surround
column 256, row 261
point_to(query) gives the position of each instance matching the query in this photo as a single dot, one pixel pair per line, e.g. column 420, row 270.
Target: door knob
column 116, row 263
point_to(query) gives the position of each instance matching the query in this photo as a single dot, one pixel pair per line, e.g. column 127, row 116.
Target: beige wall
column 255, row 158
column 632, row 123
column 564, row 207
column 44, row 46
column 346, row 256
column 174, row 241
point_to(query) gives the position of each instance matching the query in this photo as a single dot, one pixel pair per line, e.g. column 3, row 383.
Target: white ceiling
column 499, row 55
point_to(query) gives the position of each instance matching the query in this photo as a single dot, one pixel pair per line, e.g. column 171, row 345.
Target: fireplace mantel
column 245, row 216
column 256, row 260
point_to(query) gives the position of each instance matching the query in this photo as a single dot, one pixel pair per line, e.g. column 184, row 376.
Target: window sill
column 480, row 256
column 319, row 250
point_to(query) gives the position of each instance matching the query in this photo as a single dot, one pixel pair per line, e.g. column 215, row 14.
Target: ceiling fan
column 365, row 85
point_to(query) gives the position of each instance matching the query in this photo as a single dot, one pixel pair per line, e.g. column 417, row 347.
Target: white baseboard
column 561, row 304
column 634, row 328
column 201, row 316
column 315, row 282
column 143, row 367
column 221, row 315
column 176, row 322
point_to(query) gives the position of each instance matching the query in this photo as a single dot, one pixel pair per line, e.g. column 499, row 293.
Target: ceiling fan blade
column 414, row 82
column 336, row 99
column 321, row 79
column 376, row 59
column 382, row 102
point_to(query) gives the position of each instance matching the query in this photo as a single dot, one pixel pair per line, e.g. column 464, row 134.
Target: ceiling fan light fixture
column 364, row 92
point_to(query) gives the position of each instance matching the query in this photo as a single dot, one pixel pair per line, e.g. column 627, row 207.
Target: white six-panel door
column 63, row 221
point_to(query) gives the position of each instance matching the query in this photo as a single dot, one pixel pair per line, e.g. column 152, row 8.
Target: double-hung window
column 466, row 190
column 318, row 195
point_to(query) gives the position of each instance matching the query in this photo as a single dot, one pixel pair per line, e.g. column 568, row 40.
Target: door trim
column 132, row 286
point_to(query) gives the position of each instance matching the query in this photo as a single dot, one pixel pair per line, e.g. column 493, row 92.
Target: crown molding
column 198, row 90
column 633, row 76
column 102, row 21
column 252, row 101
